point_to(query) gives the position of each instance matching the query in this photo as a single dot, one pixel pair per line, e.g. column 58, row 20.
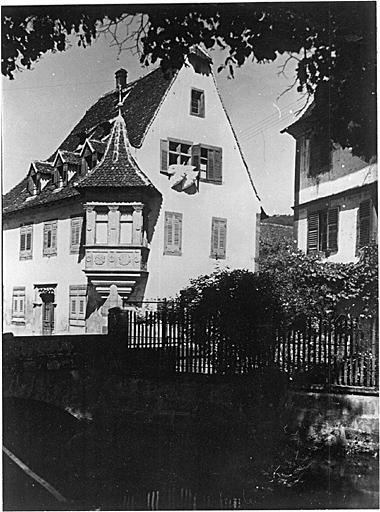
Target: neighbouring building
column 149, row 190
column 335, row 196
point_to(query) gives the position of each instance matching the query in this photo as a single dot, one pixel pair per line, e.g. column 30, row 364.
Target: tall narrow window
column 75, row 234
column 77, row 304
column 218, row 238
column 101, row 226
column 18, row 304
column 173, row 233
column 322, row 231
column 208, row 160
column 125, row 227
column 26, row 242
column 50, row 238
column 197, row 104
column 320, row 154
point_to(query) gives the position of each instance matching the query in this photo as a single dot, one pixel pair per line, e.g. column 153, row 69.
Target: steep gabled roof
column 141, row 101
column 117, row 167
column 94, row 145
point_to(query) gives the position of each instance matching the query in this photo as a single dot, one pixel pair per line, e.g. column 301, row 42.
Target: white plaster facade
column 235, row 200
column 343, row 187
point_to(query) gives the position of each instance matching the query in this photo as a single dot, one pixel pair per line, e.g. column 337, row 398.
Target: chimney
column 121, row 78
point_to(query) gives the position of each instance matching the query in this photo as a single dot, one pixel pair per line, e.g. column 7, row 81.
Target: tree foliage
column 334, row 44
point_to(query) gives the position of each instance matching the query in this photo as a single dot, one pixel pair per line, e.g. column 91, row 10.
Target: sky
column 41, row 106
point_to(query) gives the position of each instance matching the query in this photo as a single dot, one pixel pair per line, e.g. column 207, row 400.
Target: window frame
column 325, row 231
column 216, row 177
column 173, row 249
column 51, row 227
column 201, row 103
column 101, row 211
column 18, row 314
column 25, row 230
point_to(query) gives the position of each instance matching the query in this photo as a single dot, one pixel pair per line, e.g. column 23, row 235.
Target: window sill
column 203, row 180
column 25, row 257
column 77, row 323
column 167, row 253
column 18, row 321
column 202, row 116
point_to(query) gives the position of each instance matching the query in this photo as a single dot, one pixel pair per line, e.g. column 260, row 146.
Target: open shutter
column 364, row 222
column 214, row 238
column 332, row 229
column 218, row 165
column 164, row 149
column 196, row 156
column 312, row 232
column 211, row 164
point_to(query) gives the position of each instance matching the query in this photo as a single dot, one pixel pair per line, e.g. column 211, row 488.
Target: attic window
column 197, row 105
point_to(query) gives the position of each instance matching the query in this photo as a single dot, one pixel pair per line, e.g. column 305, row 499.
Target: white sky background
column 41, row 106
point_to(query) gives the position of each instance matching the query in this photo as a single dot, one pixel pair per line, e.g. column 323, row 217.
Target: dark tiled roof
column 143, row 98
column 43, row 167
column 98, row 146
column 117, row 168
column 69, row 157
column 19, row 198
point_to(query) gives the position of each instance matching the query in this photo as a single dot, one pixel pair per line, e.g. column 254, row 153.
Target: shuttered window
column 75, row 234
column 218, row 238
column 197, row 103
column 26, row 242
column 208, row 161
column 364, row 223
column 322, row 231
column 50, row 238
column 18, row 304
column 77, row 304
column 173, row 233
column 101, row 226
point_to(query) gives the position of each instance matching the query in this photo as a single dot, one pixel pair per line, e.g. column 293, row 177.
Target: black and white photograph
column 189, row 256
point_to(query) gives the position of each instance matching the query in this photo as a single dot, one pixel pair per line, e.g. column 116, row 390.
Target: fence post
column 164, row 323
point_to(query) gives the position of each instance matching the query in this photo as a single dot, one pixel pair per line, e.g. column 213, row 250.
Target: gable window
column 26, row 242
column 218, row 238
column 75, row 234
column 322, row 231
column 125, row 233
column 77, row 304
column 197, row 103
column 18, row 304
column 50, row 238
column 173, row 233
column 208, row 161
column 101, row 226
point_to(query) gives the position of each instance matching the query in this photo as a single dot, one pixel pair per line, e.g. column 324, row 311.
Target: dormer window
column 91, row 155
column 34, row 185
column 62, row 175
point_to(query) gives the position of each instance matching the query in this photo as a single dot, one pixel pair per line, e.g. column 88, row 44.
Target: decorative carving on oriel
column 100, row 259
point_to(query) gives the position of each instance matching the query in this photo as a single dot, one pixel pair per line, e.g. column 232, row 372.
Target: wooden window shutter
column 332, row 229
column 211, row 165
column 196, row 156
column 75, row 235
column 312, row 232
column 164, row 151
column 364, row 222
column 28, row 239
column 22, row 240
column 46, row 238
column 218, row 165
column 53, row 249
column 173, row 233
column 218, row 238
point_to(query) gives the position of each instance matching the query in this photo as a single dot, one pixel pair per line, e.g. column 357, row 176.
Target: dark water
column 137, row 465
